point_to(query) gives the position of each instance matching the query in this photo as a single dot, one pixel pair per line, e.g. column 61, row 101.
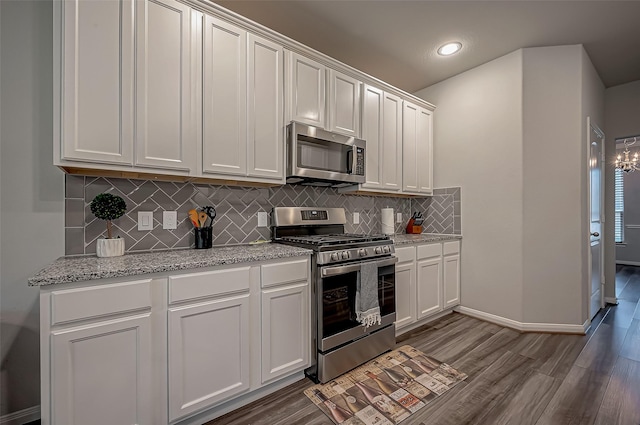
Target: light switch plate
column 398, row 217
column 145, row 220
column 356, row 218
column 262, row 219
column 169, row 220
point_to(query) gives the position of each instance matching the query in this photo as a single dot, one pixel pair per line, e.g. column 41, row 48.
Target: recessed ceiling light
column 449, row 48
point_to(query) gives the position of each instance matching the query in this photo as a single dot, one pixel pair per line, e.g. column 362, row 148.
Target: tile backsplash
column 237, row 207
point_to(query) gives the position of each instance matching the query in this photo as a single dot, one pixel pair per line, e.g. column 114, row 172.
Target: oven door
column 337, row 323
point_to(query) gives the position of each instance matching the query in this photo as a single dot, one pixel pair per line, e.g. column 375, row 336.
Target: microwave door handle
column 350, row 161
column 337, row 270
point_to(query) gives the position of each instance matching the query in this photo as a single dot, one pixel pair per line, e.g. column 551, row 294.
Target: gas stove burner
column 334, row 239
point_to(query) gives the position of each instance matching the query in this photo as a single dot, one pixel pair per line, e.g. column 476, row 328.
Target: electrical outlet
column 145, row 220
column 398, row 217
column 169, row 220
column 356, row 218
column 262, row 219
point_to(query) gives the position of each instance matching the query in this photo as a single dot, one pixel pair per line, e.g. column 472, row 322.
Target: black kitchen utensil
column 211, row 212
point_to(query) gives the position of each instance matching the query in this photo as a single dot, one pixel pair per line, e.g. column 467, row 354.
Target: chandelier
column 629, row 163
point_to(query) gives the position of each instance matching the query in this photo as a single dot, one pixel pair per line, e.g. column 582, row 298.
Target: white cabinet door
column 265, row 132
column 164, row 127
column 96, row 98
column 343, row 104
column 208, row 354
column 417, row 149
column 305, row 90
column 285, row 330
column 451, row 271
column 405, row 293
column 425, row 150
column 429, row 286
column 392, row 143
column 372, row 117
column 410, row 120
column 101, row 373
column 224, row 147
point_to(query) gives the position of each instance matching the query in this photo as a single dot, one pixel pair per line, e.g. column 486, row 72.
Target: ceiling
column 396, row 40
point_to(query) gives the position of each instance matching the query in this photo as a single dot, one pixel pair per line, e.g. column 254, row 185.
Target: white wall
column 32, row 193
column 478, row 134
column 622, row 107
column 561, row 88
column 552, row 184
column 511, row 133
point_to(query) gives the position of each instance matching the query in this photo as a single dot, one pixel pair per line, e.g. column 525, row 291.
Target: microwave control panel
column 360, row 161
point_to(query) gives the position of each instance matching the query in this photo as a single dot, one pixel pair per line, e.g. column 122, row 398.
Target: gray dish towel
column 367, row 306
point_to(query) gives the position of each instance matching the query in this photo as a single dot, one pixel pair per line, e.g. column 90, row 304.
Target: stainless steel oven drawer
column 333, row 364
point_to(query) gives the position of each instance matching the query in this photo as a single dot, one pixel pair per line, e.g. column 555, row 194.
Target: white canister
column 388, row 227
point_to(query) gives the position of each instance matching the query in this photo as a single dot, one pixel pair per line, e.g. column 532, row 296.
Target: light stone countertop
column 77, row 269
column 405, row 239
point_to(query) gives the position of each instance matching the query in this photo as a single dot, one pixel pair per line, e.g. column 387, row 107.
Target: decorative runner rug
column 386, row 390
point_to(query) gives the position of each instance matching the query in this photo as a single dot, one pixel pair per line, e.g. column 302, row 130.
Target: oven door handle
column 337, row 270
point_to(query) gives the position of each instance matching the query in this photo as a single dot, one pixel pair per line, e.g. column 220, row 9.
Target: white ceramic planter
column 110, row 247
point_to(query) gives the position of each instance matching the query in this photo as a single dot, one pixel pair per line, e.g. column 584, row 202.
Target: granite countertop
column 405, row 239
column 77, row 269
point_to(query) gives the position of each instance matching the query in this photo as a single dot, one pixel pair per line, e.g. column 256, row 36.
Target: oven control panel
column 340, row 255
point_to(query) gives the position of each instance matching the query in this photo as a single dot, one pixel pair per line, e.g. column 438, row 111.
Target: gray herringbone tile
column 236, row 207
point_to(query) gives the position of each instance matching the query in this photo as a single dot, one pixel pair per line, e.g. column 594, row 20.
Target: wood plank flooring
column 514, row 378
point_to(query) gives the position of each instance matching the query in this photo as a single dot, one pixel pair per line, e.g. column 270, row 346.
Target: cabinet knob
column 595, row 234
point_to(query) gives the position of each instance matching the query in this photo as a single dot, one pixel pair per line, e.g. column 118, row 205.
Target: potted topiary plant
column 106, row 206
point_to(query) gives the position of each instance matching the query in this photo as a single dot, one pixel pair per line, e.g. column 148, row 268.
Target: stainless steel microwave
column 321, row 158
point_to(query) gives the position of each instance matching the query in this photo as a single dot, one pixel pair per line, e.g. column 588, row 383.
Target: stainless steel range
column 339, row 342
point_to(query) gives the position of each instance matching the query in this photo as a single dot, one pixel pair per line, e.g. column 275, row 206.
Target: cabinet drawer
column 85, row 303
column 290, row 271
column 452, row 247
column 407, row 253
column 431, row 250
column 208, row 284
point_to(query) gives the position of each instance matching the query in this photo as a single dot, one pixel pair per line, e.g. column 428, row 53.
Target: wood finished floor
column 514, row 378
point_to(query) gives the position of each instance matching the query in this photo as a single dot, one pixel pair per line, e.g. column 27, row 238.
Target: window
column 619, row 207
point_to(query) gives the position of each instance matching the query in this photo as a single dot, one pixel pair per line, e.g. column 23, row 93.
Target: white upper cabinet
column 164, row 127
column 305, row 90
column 392, row 143
column 417, row 169
column 382, row 130
column 93, row 117
column 425, row 151
column 224, row 147
column 265, row 111
column 372, row 119
column 343, row 105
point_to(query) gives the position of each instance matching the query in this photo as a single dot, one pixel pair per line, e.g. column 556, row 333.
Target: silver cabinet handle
column 595, row 234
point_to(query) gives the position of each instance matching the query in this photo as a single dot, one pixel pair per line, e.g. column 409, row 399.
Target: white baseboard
column 628, row 263
column 522, row 326
column 21, row 416
column 611, row 300
column 422, row 322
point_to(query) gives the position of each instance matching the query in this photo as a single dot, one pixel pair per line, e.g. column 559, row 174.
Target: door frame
column 591, row 126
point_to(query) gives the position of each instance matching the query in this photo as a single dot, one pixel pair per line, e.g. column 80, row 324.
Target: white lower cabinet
column 100, row 373
column 171, row 349
column 208, row 353
column 405, row 286
column 451, row 273
column 427, row 282
column 285, row 330
column 98, row 354
column 285, row 320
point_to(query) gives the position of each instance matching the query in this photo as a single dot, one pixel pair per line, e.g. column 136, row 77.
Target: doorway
column 627, row 204
column 596, row 210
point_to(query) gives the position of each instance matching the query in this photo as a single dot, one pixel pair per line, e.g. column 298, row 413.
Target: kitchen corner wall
column 236, row 207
